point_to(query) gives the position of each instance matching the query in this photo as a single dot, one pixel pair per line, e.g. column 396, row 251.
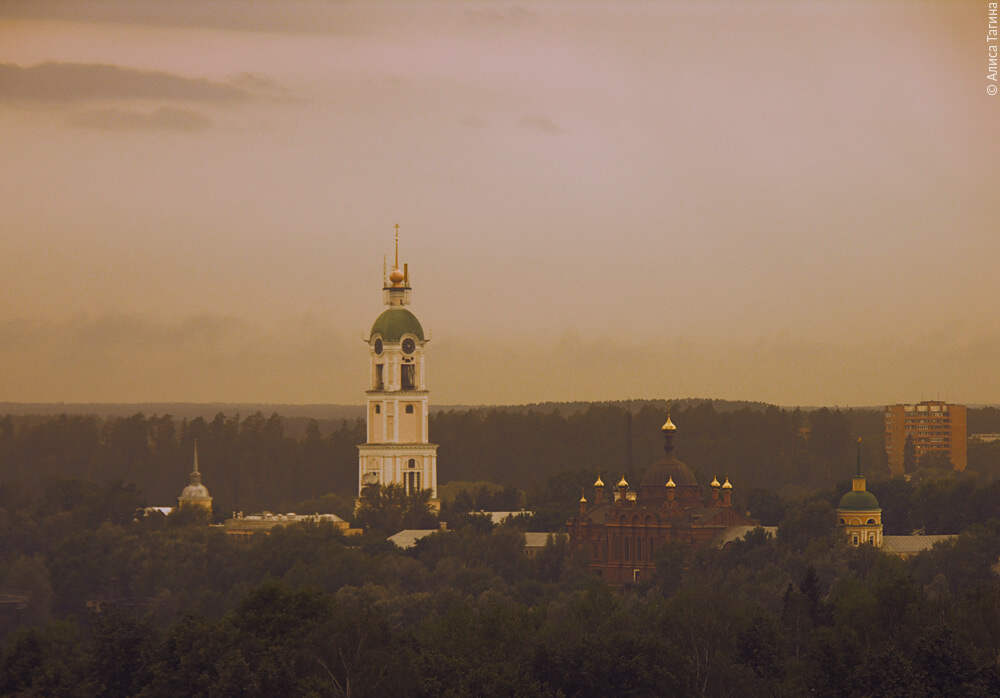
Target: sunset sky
column 796, row 202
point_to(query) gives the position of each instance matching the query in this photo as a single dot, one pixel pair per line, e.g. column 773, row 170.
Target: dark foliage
column 107, row 603
column 252, row 462
column 151, row 609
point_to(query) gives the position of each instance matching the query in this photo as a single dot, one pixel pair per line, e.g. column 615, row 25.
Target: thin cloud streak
column 69, row 82
column 162, row 119
column 303, row 359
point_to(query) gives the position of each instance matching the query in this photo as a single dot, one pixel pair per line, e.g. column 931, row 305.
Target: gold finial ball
column 396, row 276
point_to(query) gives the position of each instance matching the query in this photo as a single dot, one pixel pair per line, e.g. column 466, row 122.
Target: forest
column 257, row 462
column 97, row 599
column 167, row 606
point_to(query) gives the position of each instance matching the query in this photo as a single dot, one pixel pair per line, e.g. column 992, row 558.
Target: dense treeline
column 753, row 446
column 170, row 607
column 253, row 463
column 934, row 506
column 248, row 463
column 97, row 601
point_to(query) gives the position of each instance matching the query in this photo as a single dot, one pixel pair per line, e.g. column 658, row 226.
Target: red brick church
column 621, row 530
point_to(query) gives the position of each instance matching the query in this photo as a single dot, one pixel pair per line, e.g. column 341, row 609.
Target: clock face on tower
column 408, row 346
column 378, row 346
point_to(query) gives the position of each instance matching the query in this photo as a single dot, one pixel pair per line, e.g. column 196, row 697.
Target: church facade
column 859, row 516
column 397, row 450
column 620, row 531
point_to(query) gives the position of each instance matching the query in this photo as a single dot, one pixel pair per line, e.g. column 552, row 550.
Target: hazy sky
column 796, row 202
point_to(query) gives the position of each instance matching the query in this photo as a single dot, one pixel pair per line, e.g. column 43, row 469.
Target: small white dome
column 195, row 492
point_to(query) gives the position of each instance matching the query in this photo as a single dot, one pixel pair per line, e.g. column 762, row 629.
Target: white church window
column 413, row 481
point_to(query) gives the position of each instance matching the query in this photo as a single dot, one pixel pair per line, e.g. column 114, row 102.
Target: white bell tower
column 396, row 450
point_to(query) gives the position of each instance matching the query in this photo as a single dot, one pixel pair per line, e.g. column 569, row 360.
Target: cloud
column 199, row 356
column 542, row 124
column 255, row 82
column 292, row 16
column 514, row 15
column 162, row 119
column 473, row 121
column 309, row 358
column 84, row 81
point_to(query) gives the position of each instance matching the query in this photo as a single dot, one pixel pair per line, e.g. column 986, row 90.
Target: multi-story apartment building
column 933, row 426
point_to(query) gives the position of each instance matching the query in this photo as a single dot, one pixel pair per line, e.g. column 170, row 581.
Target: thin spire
column 859, row 456
column 396, row 276
column 195, row 477
column 385, row 273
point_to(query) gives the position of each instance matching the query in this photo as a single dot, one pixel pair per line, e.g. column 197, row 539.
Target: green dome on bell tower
column 395, row 322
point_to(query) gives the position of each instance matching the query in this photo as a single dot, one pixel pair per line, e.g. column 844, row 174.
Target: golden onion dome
column 583, row 499
column 727, row 485
column 671, row 483
column 598, row 482
column 623, row 482
column 715, row 482
column 668, row 425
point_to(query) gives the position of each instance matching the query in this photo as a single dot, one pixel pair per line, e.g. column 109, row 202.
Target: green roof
column 393, row 323
column 858, row 501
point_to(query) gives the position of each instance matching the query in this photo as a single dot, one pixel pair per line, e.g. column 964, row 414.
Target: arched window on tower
column 409, row 409
column 412, row 480
column 408, row 376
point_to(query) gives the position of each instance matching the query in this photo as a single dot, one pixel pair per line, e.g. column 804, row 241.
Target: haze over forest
column 779, row 201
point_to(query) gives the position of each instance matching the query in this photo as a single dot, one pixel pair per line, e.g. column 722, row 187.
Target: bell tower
column 396, row 449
